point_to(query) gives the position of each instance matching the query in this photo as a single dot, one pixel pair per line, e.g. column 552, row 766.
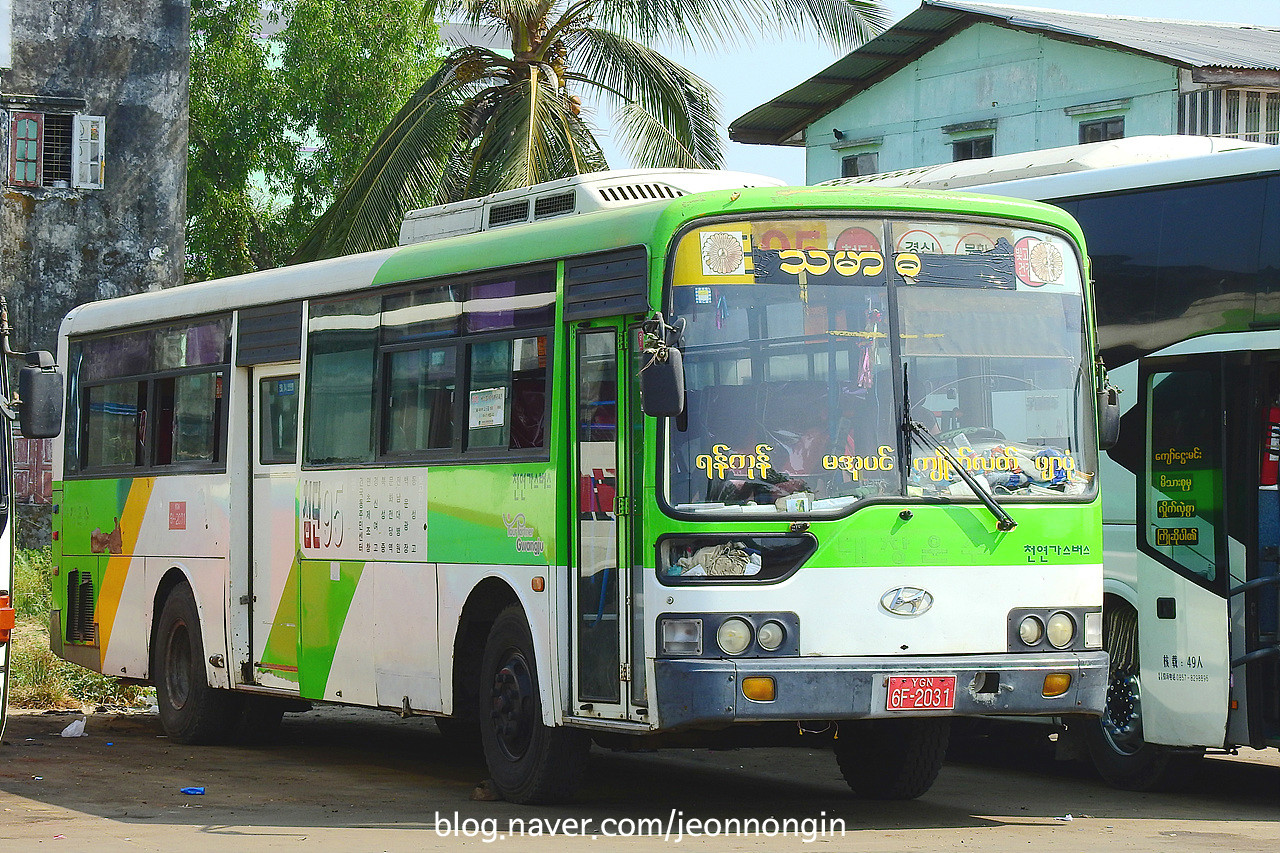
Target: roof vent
column 578, row 195
column 505, row 214
column 640, row 192
column 559, row 204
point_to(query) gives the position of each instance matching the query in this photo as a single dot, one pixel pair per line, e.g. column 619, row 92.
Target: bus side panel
column 335, row 659
column 406, row 653
column 1185, row 664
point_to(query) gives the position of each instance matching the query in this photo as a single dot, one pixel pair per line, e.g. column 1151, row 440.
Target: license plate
column 921, row 693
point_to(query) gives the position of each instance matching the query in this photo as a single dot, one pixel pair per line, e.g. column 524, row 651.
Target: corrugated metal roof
column 1189, row 44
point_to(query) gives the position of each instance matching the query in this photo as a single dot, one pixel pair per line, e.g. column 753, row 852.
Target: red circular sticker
column 857, row 240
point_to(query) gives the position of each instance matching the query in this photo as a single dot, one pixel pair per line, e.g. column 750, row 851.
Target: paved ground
column 347, row 780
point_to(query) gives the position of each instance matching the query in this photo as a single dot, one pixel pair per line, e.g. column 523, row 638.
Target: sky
column 749, row 77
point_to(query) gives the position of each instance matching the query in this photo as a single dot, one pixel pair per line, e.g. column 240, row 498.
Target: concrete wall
column 1023, row 82
column 128, row 60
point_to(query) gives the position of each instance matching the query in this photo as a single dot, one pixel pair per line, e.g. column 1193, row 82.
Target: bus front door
column 1186, row 555
column 598, row 412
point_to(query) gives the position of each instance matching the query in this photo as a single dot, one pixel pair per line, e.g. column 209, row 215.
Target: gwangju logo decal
column 906, row 601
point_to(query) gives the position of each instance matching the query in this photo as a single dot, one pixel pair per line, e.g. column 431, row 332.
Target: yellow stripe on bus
column 113, row 577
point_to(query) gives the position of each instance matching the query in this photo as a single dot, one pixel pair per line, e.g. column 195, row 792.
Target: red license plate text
column 921, row 693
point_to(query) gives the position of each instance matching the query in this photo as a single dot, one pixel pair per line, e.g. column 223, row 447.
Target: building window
column 55, row 150
column 1102, row 130
column 857, row 165
column 1249, row 114
column 972, row 149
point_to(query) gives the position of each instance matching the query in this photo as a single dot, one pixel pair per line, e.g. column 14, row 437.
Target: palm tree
column 486, row 122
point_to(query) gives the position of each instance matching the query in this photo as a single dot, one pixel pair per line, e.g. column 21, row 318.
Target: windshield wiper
column 1004, row 521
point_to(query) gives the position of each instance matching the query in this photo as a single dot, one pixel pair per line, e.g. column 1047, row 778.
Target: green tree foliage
column 491, row 120
column 280, row 122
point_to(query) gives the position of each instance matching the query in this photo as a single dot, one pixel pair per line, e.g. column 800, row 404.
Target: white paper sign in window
column 488, row 408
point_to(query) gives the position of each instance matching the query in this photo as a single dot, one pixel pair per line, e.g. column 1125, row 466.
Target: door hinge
column 624, row 672
column 621, row 505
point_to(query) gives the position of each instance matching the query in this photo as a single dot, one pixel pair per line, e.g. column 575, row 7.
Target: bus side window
column 115, row 425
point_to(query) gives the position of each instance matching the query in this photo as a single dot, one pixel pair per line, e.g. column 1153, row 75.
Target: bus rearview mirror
column 662, row 384
column 1108, row 417
column 40, row 393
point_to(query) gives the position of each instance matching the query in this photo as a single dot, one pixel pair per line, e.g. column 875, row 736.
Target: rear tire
column 529, row 762
column 190, row 710
column 892, row 759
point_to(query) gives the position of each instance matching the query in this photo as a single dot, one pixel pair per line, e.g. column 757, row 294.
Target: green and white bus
column 1185, row 264
column 36, row 404
column 856, row 496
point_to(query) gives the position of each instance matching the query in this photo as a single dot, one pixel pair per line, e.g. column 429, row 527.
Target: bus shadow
column 356, row 769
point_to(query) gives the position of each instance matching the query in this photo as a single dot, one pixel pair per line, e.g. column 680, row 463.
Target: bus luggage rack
column 1253, row 587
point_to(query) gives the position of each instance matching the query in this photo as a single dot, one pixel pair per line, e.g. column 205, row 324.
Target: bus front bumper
column 709, row 691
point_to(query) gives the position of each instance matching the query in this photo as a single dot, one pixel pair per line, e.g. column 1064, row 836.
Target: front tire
column 1118, row 749
column 529, row 762
column 190, row 710
column 892, row 759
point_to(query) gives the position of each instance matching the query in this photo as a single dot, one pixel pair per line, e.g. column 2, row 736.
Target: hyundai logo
column 906, row 601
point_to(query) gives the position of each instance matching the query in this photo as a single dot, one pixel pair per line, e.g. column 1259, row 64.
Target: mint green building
column 956, row 81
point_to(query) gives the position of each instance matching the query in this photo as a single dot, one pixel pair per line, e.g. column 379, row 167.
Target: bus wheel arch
column 529, row 761
column 191, row 711
column 1115, row 742
column 489, row 598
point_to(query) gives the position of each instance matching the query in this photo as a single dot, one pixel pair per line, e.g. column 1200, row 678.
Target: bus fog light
column 1056, row 683
column 759, row 688
column 1061, row 630
column 771, row 636
column 682, row 636
column 1093, row 630
column 1031, row 630
column 734, row 636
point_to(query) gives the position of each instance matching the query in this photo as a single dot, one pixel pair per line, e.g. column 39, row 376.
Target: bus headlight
column 734, row 636
column 1061, row 630
column 1031, row 630
column 682, row 636
column 771, row 635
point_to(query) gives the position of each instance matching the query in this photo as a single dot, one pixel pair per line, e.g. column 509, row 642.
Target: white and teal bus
column 644, row 458
column 36, row 404
column 1186, row 268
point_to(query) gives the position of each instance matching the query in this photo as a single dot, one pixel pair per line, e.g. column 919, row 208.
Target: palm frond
column 635, row 76
column 712, row 24
column 405, row 166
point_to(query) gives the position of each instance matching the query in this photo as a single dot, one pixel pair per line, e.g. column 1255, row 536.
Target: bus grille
column 80, row 627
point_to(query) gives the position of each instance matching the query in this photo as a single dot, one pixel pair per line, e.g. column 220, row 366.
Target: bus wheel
column 529, row 762
column 892, row 759
column 1120, row 753
column 190, row 710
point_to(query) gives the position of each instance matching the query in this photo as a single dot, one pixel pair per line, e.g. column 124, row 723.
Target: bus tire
column 529, row 762
column 1120, row 754
column 892, row 759
column 190, row 710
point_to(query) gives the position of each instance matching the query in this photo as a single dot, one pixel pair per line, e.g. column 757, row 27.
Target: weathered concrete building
column 93, row 142
column 93, row 152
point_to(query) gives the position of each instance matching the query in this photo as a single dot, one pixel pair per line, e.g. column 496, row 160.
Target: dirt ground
column 349, row 780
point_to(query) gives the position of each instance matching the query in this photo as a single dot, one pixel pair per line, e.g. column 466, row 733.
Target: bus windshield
column 793, row 401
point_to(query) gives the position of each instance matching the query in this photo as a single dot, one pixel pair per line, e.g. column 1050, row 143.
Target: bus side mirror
column 662, row 384
column 1108, row 417
column 40, row 397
